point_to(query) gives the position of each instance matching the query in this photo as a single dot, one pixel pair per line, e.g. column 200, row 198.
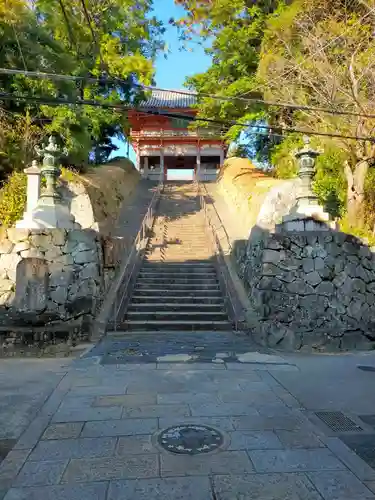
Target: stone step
column 196, row 263
column 179, row 266
column 181, row 252
column 177, row 286
column 176, row 326
column 177, row 292
column 145, row 306
column 166, row 273
column 175, row 258
column 171, row 299
column 175, row 281
column 177, row 315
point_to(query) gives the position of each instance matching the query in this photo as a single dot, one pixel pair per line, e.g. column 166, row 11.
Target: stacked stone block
column 72, row 261
column 311, row 290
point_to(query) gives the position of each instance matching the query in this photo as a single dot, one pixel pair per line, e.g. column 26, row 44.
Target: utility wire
column 82, row 102
column 55, row 76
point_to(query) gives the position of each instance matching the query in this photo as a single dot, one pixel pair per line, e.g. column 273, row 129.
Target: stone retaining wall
column 49, row 276
column 311, row 290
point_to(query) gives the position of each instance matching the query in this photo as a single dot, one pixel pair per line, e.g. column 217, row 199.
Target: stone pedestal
column 33, row 193
column 50, row 213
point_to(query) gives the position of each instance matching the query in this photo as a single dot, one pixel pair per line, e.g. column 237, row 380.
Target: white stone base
column 307, row 217
column 307, row 210
column 49, row 214
column 27, row 222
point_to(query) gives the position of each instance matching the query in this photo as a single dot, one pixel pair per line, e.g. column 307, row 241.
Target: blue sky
column 172, row 72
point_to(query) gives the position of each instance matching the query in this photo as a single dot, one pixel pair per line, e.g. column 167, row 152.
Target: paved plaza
column 97, row 435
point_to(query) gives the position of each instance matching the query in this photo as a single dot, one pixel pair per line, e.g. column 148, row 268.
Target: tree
column 321, row 53
column 87, row 38
column 24, row 44
column 312, row 52
column 233, row 31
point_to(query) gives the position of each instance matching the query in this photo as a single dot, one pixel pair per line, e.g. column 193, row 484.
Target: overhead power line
column 296, row 106
column 124, row 107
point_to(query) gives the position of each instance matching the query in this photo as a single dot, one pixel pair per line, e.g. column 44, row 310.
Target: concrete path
column 25, row 385
column 97, row 435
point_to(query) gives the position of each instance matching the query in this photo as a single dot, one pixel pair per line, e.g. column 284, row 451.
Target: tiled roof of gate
column 168, row 99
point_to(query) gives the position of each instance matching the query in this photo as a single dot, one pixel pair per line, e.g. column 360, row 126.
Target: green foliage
column 282, row 157
column 370, row 201
column 362, row 232
column 42, row 35
column 311, row 52
column 330, row 183
column 13, row 199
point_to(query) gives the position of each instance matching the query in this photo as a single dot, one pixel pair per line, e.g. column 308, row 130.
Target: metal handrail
column 116, row 295
column 138, row 243
column 221, row 253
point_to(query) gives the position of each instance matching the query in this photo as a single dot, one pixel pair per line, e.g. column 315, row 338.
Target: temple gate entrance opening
column 167, row 147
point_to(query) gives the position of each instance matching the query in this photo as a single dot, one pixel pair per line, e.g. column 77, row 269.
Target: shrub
column 13, row 199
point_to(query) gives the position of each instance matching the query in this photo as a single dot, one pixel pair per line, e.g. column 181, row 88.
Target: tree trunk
column 356, row 196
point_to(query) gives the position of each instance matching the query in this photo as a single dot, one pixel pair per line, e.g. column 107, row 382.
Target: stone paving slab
column 26, row 384
column 254, row 440
column 126, row 400
column 135, row 445
column 265, row 487
column 90, row 491
column 126, row 427
column 41, row 473
column 11, row 466
column 222, row 423
column 192, row 488
column 258, row 422
column 74, row 448
column 299, row 438
column 150, row 411
column 99, row 469
column 82, row 415
column 188, row 398
column 69, row 430
column 294, row 460
column 334, row 485
column 224, row 462
column 222, row 409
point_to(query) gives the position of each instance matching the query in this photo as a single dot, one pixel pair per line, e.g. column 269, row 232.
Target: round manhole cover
column 190, row 439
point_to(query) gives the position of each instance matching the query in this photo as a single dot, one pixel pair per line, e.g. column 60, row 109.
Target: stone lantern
column 307, row 214
column 50, row 210
column 306, row 158
column 51, row 155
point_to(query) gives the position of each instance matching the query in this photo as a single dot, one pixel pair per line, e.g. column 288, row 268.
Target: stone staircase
column 177, row 287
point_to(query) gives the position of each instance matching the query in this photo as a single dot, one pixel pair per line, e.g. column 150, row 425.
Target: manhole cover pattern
column 338, row 422
column 190, row 439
